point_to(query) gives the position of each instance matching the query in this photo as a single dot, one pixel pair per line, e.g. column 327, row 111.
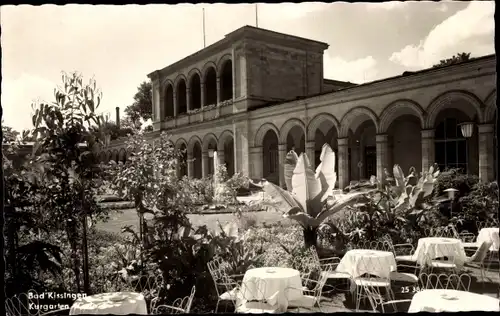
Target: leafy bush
column 150, row 169
column 454, row 178
column 481, row 204
column 279, row 242
column 197, row 191
column 474, row 201
column 402, row 207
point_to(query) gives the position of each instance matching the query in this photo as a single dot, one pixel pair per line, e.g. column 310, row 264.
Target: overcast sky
column 120, row 45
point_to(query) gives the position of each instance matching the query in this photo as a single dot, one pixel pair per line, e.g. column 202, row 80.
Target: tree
column 111, row 129
column 455, row 59
column 9, row 134
column 63, row 165
column 142, row 106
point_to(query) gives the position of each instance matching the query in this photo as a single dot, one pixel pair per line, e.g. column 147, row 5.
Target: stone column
column 176, row 104
column 162, row 107
column 204, row 164
column 282, row 156
column 190, row 165
column 382, row 156
column 241, row 135
column 356, row 158
column 188, row 99
column 202, row 87
column 427, row 149
column 218, row 90
column 343, row 151
column 486, row 148
column 257, row 168
column 310, row 146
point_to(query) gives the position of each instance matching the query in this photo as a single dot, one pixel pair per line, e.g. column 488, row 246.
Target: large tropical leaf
column 290, row 163
column 304, row 219
column 326, row 171
column 339, row 203
column 306, row 187
column 282, row 200
column 399, row 177
column 39, row 254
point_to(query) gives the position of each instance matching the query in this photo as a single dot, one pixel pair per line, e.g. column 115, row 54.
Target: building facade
column 256, row 94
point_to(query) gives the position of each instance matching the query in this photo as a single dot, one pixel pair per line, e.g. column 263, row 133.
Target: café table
column 438, row 300
column 358, row 262
column 491, row 235
column 430, row 248
column 116, row 303
column 269, row 284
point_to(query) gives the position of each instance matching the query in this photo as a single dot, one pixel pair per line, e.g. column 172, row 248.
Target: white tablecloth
column 271, row 283
column 491, row 235
column 360, row 261
column 429, row 248
column 108, row 303
column 452, row 301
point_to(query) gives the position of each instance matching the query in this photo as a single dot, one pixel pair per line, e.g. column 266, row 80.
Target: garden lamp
column 467, row 128
column 360, row 166
column 451, row 196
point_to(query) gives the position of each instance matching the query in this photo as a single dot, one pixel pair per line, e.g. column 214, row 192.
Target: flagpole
column 204, row 41
column 256, row 16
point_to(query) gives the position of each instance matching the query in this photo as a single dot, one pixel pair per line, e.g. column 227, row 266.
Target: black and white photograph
column 201, row 158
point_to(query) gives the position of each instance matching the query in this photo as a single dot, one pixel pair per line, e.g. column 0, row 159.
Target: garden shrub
column 454, row 178
column 402, row 208
column 480, row 204
column 474, row 201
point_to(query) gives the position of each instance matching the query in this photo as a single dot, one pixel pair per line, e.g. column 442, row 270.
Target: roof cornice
column 245, row 32
column 480, row 67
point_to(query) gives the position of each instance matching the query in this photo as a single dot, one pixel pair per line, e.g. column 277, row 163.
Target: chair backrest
column 373, row 293
column 447, row 231
column 148, row 283
column 314, row 254
column 458, row 282
column 20, row 304
column 322, row 280
column 428, row 231
column 481, row 252
column 432, row 281
column 466, row 236
column 181, row 305
column 486, row 224
column 413, row 268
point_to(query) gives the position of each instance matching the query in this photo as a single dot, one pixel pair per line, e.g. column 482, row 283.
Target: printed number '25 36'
column 409, row 289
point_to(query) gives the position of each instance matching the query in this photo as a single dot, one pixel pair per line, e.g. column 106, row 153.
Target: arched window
column 451, row 146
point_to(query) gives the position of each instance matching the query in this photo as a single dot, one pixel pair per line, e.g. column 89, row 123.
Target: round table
column 365, row 261
column 269, row 284
column 452, row 301
column 117, row 303
column 430, row 248
column 491, row 235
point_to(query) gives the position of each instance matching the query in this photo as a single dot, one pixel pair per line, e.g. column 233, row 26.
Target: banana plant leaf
column 291, row 160
column 325, row 172
column 306, row 187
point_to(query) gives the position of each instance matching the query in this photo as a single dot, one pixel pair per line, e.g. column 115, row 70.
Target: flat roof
column 243, row 32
